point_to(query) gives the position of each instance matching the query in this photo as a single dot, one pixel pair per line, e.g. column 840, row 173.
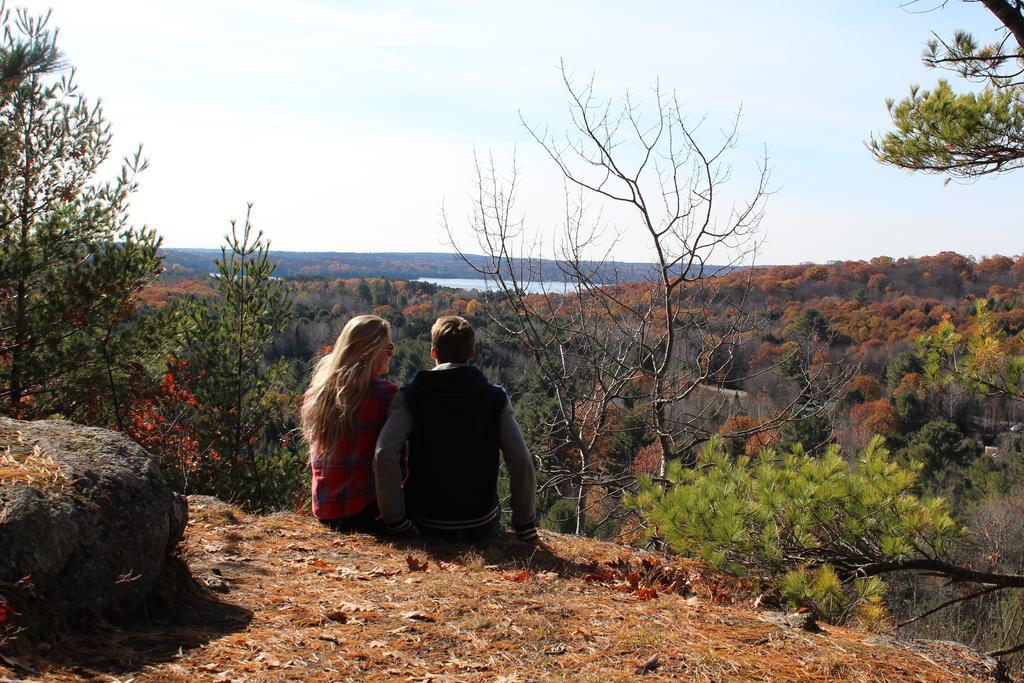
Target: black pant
column 475, row 535
column 367, row 521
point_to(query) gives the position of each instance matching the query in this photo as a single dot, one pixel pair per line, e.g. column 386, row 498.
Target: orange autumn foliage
column 876, row 417
column 864, row 388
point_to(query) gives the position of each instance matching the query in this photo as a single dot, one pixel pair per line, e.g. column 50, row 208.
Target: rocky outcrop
column 86, row 519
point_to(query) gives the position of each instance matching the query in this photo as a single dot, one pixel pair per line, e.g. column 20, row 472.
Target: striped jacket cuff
column 402, row 527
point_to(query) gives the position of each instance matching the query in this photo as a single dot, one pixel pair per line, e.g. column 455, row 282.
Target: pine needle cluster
column 821, row 528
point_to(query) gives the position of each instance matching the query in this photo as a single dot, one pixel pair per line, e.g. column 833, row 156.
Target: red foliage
column 1011, row 320
column 876, row 417
column 647, row 460
column 160, row 293
column 993, row 265
column 878, row 281
column 819, row 273
column 751, row 443
column 761, row 440
column 1018, row 267
column 418, row 310
column 156, row 421
column 864, row 388
column 767, row 354
column 912, row 383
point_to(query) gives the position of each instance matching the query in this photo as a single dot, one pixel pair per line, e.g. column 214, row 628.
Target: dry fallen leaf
column 649, row 564
column 586, row 635
column 416, row 565
column 268, row 660
column 343, row 572
column 463, row 664
column 237, row 558
column 650, row 665
column 646, row 593
column 519, row 577
column 377, row 571
column 417, row 616
column 355, row 607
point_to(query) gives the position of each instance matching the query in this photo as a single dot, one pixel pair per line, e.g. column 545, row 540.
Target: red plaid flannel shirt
column 343, row 481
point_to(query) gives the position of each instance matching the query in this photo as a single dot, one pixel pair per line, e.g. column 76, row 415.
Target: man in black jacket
column 453, row 422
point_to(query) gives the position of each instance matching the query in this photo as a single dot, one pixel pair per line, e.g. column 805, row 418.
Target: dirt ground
column 280, row 598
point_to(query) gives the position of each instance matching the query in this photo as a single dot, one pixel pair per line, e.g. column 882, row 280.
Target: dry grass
column 304, row 603
column 25, row 463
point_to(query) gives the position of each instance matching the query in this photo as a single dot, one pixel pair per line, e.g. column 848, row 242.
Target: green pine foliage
column 986, row 361
column 239, row 396
column 961, row 134
column 970, row 134
column 820, row 527
column 28, row 49
column 71, row 267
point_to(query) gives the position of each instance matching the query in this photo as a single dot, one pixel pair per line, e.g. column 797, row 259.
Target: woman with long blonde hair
column 343, row 411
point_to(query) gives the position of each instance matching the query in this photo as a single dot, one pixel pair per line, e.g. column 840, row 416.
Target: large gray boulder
column 85, row 515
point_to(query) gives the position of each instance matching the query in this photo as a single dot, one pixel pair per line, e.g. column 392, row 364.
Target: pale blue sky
column 349, row 124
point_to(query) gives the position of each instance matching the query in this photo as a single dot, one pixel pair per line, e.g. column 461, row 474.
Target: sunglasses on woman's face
column 391, row 349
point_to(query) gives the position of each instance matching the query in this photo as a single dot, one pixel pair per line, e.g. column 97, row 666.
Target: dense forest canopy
column 191, row 263
column 876, row 315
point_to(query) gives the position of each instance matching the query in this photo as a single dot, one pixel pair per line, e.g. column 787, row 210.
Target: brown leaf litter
column 296, row 601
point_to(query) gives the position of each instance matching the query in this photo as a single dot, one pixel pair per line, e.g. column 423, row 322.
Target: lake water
column 487, row 285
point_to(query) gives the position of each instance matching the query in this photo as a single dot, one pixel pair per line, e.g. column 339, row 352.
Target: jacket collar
column 449, row 366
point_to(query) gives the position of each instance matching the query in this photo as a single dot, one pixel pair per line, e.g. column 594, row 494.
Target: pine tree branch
column 1007, row 651
column 953, row 572
column 949, row 603
column 1010, row 16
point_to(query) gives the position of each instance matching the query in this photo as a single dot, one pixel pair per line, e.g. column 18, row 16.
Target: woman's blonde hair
column 341, row 382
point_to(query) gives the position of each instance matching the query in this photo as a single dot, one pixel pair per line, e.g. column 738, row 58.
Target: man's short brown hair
column 452, row 339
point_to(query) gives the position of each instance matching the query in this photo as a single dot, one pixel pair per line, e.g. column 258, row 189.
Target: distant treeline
column 399, row 266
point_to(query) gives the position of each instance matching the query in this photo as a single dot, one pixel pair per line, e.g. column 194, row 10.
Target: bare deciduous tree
column 609, row 348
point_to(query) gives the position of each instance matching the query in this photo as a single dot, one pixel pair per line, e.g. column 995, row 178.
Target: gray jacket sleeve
column 522, row 478
column 387, row 465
